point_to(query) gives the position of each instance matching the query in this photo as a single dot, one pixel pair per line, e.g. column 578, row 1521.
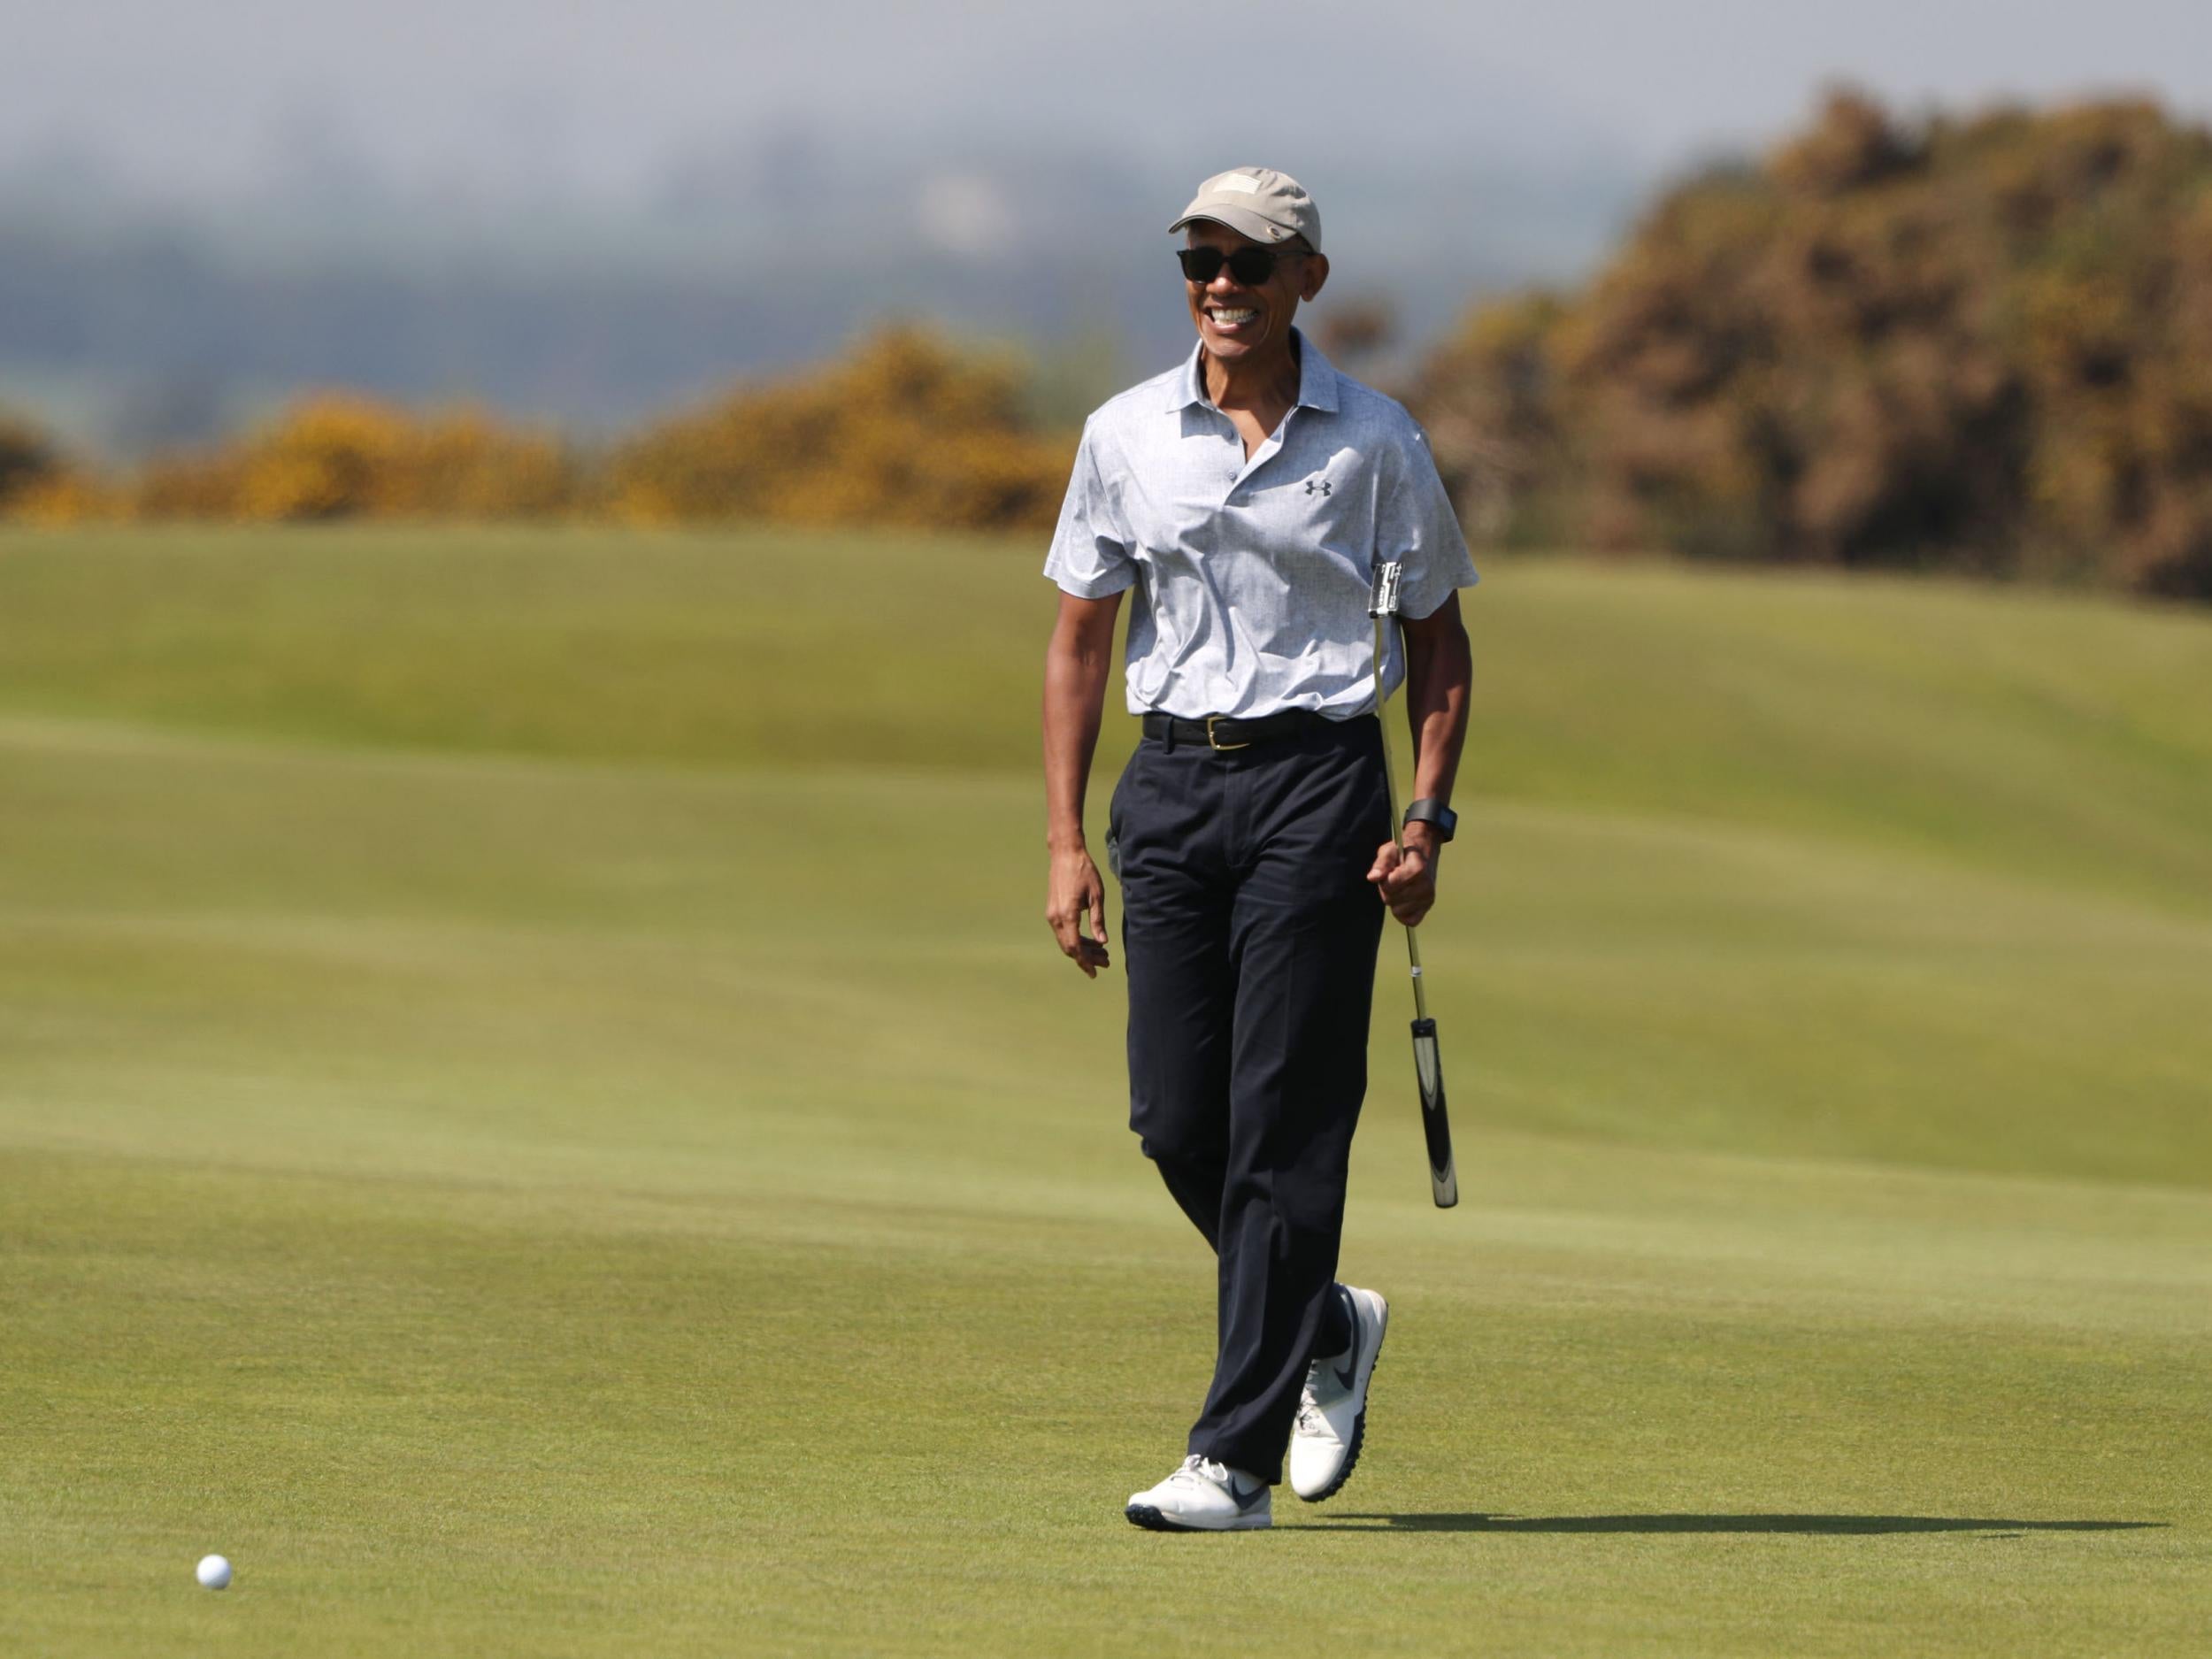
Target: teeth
column 1234, row 316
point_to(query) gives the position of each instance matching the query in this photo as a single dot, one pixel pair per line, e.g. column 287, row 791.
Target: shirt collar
column 1317, row 378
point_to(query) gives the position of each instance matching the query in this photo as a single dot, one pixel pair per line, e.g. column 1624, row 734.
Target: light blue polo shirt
column 1252, row 576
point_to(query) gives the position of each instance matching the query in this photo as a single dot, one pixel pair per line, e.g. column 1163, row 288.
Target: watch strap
column 1434, row 813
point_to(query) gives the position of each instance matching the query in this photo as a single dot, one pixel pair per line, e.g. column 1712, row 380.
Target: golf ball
column 214, row 1573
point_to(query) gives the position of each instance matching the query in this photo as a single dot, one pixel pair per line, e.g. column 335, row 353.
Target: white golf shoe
column 1332, row 1411
column 1203, row 1496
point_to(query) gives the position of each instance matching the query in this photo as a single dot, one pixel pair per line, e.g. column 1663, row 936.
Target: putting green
column 538, row 1113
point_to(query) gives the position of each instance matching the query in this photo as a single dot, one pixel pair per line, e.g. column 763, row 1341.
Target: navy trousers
column 1248, row 934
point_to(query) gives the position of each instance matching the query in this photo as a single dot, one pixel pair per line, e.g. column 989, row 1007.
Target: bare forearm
column 1074, row 693
column 1440, row 670
column 1078, row 664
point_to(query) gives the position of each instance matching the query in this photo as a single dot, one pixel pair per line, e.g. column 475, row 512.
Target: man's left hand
column 1406, row 880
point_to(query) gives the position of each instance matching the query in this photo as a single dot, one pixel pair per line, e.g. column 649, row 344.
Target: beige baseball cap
column 1258, row 201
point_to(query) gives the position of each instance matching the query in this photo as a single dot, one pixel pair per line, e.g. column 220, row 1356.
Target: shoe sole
column 1152, row 1520
column 1359, row 1423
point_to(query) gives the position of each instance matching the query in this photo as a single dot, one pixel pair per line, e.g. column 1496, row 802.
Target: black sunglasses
column 1251, row 266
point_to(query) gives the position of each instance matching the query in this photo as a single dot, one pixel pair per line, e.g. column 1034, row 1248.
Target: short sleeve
column 1417, row 526
column 1090, row 555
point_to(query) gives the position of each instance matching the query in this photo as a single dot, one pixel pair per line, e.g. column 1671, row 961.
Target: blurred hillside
column 129, row 323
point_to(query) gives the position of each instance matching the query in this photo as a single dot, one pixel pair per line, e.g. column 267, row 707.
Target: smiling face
column 1238, row 324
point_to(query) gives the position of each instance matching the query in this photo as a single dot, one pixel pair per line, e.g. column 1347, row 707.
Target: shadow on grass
column 1841, row 1525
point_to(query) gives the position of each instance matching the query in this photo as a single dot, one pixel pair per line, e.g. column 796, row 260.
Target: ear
column 1313, row 272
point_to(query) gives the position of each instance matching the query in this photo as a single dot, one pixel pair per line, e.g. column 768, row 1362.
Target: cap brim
column 1241, row 220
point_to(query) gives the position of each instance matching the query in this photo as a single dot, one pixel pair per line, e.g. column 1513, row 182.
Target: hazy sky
column 600, row 93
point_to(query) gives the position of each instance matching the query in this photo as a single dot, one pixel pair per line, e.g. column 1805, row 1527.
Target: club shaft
column 1428, row 1062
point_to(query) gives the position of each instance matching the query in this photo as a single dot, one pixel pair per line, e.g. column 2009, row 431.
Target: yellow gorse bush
column 904, row 431
column 907, row 431
column 30, row 467
column 338, row 456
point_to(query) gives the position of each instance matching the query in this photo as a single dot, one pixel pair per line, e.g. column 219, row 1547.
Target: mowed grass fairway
column 538, row 1113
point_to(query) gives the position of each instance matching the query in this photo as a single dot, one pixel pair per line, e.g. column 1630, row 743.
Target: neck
column 1264, row 380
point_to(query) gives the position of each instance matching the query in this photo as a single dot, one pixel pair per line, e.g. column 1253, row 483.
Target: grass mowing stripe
column 507, row 931
column 2066, row 738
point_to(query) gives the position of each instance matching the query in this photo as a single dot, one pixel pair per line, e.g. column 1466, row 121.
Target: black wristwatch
column 1434, row 813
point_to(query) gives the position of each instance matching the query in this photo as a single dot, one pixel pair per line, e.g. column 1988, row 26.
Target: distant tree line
column 1980, row 345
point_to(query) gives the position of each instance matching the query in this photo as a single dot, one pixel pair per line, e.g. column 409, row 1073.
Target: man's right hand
column 1074, row 892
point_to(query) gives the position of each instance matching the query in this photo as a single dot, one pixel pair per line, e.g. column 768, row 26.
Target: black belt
column 1221, row 731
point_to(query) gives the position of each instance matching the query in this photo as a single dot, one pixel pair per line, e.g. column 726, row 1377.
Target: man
column 1245, row 497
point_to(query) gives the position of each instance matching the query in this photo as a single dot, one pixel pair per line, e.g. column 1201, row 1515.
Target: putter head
column 1382, row 593
column 1436, row 1128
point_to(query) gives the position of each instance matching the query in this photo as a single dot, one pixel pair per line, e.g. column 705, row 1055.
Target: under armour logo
column 1317, row 486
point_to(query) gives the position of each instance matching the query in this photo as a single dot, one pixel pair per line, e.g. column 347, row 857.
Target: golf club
column 1428, row 1062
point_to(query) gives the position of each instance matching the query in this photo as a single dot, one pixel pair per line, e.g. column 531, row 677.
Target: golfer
column 1244, row 498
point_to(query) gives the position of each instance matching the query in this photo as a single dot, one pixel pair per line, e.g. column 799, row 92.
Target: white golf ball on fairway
column 214, row 1573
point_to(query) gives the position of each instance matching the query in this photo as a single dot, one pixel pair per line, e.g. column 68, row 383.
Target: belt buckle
column 1214, row 742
